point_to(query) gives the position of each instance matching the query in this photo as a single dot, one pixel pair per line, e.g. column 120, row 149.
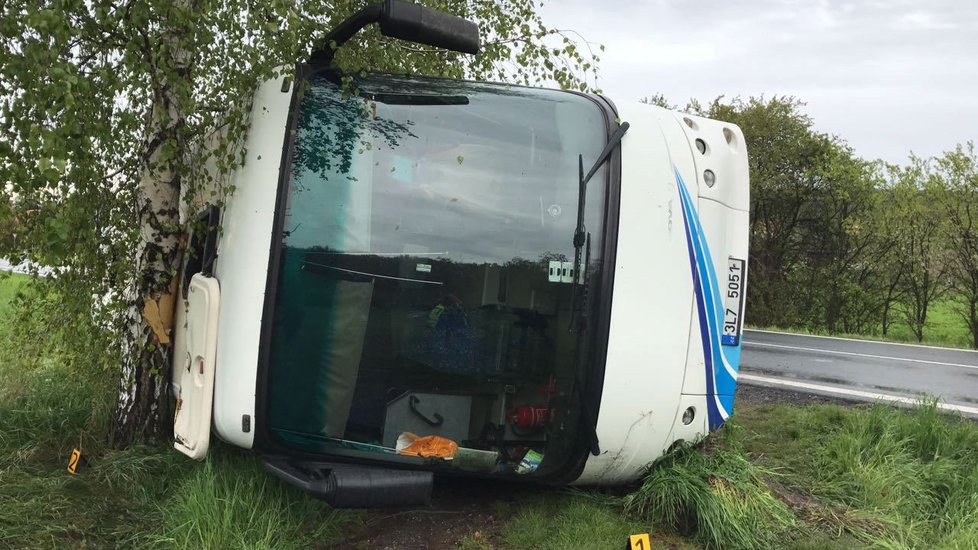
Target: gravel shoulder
column 763, row 395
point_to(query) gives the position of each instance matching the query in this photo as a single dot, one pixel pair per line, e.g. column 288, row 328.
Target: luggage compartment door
column 193, row 368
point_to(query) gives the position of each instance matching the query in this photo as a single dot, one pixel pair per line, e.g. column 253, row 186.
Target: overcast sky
column 889, row 77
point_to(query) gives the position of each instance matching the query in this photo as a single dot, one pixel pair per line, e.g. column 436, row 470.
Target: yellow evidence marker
column 639, row 542
column 73, row 461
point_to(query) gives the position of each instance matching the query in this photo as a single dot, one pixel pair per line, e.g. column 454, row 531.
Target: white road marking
column 881, row 342
column 833, row 390
column 748, row 344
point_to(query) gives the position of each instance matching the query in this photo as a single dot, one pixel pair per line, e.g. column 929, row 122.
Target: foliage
column 819, row 246
column 944, row 328
column 919, row 244
column 118, row 120
column 787, row 160
column 80, row 80
column 956, row 179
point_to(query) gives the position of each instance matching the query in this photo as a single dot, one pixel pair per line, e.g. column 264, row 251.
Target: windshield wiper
column 416, row 99
column 580, row 237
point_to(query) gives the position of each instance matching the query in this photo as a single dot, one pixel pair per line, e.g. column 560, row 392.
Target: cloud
column 923, row 21
column 887, row 76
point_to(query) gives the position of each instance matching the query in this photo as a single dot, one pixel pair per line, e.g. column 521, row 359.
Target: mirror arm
column 405, row 21
column 371, row 13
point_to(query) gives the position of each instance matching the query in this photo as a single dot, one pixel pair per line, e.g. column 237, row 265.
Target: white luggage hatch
column 194, row 368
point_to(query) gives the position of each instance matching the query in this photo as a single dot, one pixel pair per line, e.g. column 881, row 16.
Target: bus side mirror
column 405, row 21
column 416, row 23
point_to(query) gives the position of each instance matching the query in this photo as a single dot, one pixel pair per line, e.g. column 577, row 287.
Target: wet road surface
column 862, row 370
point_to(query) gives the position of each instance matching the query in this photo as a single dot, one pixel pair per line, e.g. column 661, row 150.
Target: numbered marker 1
column 639, row 542
column 73, row 461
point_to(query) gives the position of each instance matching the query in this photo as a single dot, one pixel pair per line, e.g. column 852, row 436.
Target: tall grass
column 917, row 470
column 46, row 409
column 821, row 477
column 890, row 478
column 229, row 502
column 718, row 499
column 10, row 284
column 54, row 397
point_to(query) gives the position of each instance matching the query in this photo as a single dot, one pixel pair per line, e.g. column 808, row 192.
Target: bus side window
column 202, row 250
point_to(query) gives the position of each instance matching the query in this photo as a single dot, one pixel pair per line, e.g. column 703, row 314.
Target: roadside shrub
column 52, row 393
column 918, row 469
column 229, row 502
column 718, row 499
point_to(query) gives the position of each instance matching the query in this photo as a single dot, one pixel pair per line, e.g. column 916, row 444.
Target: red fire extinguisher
column 527, row 417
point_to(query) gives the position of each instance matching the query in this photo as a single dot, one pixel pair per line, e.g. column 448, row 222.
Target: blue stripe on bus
column 720, row 382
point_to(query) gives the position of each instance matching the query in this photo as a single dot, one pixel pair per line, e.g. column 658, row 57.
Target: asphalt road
column 861, row 370
column 7, row 266
column 21, row 268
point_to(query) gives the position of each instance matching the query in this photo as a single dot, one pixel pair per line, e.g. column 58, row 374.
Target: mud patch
column 470, row 510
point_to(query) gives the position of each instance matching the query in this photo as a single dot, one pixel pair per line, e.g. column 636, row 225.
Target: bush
column 717, row 498
column 917, row 470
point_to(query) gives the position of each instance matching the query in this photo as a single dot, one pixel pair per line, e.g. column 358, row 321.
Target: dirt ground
column 460, row 508
column 477, row 509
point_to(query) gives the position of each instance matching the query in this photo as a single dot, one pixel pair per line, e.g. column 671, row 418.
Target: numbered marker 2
column 73, row 461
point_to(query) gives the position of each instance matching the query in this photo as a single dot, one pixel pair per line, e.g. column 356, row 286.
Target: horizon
column 890, row 79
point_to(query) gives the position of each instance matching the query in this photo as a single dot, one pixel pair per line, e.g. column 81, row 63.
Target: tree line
column 845, row 245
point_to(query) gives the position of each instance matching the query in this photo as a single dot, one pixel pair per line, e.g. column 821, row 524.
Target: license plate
column 733, row 302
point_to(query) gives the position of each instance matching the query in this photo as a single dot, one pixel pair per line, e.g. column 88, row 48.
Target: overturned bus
column 439, row 276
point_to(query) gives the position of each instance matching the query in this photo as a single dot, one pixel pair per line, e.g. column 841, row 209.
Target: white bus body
column 663, row 330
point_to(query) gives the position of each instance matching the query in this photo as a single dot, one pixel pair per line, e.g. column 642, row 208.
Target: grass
column 779, row 476
column 776, row 476
column 886, row 477
column 144, row 496
column 945, row 327
column 10, row 284
column 718, row 499
column 578, row 520
column 229, row 502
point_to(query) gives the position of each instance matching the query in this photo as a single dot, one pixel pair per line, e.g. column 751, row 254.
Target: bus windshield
column 423, row 287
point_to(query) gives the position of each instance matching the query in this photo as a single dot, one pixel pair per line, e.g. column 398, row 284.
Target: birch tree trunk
column 142, row 413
